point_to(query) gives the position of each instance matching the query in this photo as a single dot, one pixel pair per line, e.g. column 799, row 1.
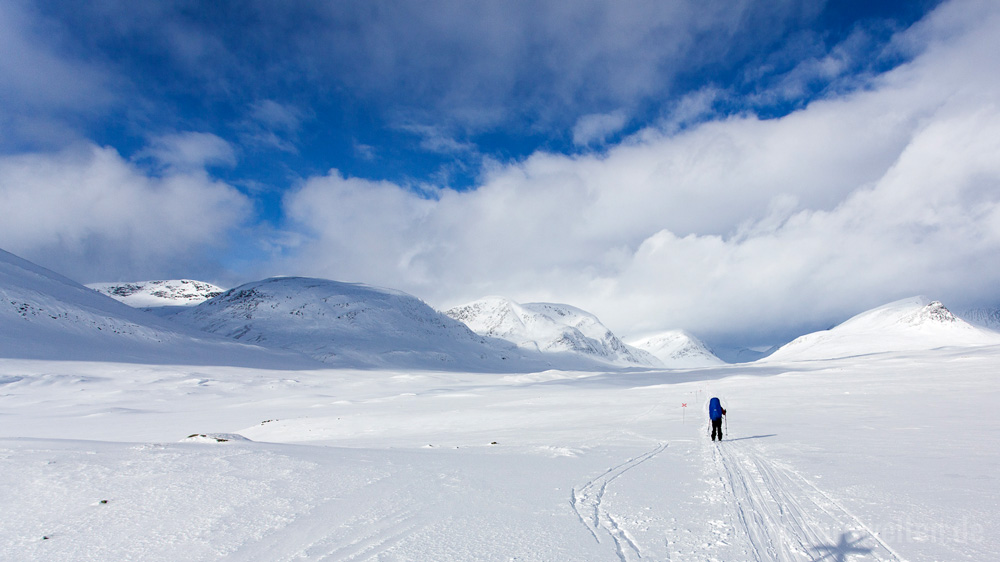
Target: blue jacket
column 715, row 409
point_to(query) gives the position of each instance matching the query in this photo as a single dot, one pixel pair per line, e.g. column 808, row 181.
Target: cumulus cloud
column 731, row 226
column 90, row 214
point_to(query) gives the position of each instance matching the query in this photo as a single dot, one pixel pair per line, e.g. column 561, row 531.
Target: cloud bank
column 88, row 212
column 733, row 226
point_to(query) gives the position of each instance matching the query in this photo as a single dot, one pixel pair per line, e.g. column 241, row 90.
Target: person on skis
column 715, row 413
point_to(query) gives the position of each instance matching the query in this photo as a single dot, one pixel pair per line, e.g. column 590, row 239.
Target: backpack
column 714, row 409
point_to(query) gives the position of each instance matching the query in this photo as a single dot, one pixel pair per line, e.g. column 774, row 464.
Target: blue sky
column 423, row 92
column 659, row 163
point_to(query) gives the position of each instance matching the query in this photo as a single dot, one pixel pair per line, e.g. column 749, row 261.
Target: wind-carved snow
column 678, row 349
column 906, row 325
column 349, row 324
column 142, row 294
column 550, row 329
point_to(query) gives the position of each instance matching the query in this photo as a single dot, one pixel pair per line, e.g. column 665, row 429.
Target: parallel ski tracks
column 588, row 502
column 786, row 518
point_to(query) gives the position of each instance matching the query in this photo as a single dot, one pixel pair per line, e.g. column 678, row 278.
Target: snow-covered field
column 881, row 457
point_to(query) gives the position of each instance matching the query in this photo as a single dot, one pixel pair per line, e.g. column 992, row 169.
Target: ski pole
column 725, row 420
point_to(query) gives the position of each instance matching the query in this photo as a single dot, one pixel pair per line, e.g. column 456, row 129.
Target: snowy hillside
column 45, row 315
column 349, row 324
column 985, row 317
column 145, row 294
column 678, row 349
column 906, row 325
column 549, row 329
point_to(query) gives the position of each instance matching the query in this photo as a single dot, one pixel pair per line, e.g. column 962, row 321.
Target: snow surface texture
column 678, row 349
column 909, row 324
column 550, row 329
column 853, row 460
column 146, row 294
column 350, row 324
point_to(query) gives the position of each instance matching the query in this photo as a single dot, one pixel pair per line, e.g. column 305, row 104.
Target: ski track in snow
column 371, row 527
column 587, row 501
column 784, row 517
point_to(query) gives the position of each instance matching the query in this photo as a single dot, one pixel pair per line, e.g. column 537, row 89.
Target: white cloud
column 437, row 139
column 189, row 151
column 729, row 227
column 39, row 85
column 89, row 214
column 270, row 124
column 597, row 127
column 276, row 115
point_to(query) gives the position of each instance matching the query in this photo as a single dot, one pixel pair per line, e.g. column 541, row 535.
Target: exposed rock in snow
column 144, row 294
column 350, row 324
column 906, row 325
column 549, row 329
column 679, row 349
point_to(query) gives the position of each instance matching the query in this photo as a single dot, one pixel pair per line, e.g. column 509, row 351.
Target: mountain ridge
column 910, row 324
column 679, row 349
column 350, row 324
column 51, row 316
column 550, row 328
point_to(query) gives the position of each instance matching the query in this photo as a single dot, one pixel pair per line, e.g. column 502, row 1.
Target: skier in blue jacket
column 715, row 413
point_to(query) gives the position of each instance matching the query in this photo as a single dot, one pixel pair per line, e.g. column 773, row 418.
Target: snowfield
column 129, row 437
column 885, row 457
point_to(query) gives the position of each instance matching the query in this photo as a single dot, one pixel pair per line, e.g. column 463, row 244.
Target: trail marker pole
column 683, row 410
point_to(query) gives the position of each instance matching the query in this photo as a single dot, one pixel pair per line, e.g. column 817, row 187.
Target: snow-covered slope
column 350, row 324
column 907, row 325
column 44, row 315
column 985, row 317
column 552, row 329
column 144, row 294
column 679, row 349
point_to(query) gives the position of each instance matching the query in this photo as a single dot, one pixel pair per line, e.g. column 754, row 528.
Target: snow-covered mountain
column 44, row 315
column 741, row 354
column 147, row 294
column 350, row 324
column 906, row 325
column 985, row 317
column 551, row 329
column 677, row 348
